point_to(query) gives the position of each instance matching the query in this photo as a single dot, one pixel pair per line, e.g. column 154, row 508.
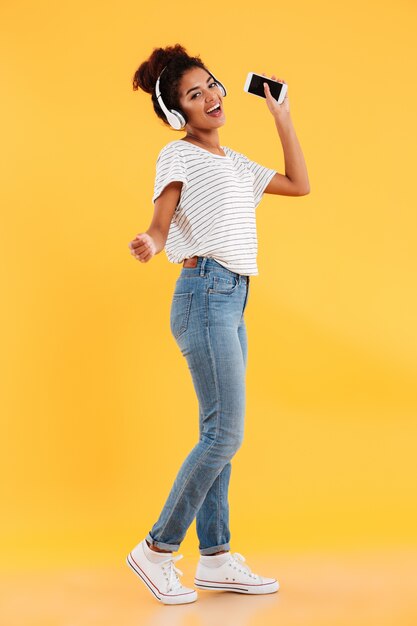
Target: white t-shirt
column 215, row 215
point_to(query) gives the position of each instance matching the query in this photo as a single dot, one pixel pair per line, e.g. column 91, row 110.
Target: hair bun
column 148, row 72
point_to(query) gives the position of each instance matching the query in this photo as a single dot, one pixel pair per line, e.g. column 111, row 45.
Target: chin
column 215, row 123
column 219, row 123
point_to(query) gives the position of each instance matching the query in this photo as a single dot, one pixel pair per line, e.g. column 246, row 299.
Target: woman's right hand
column 142, row 247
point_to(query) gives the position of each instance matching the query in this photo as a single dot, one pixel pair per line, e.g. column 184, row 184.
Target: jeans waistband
column 203, row 264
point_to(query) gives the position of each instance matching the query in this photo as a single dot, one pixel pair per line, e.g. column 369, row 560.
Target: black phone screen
column 256, row 86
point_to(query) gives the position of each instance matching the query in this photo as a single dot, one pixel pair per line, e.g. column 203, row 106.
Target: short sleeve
column 262, row 177
column 170, row 167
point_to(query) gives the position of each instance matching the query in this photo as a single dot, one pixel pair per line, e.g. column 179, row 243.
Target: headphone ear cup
column 222, row 88
column 176, row 119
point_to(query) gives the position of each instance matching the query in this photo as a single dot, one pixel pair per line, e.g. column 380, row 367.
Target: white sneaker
column 160, row 578
column 232, row 575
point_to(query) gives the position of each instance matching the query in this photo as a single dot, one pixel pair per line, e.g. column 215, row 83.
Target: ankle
column 155, row 548
column 221, row 552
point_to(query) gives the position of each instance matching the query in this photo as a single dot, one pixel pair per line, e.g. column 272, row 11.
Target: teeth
column 215, row 107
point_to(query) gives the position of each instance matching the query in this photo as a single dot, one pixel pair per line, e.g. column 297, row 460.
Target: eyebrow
column 198, row 86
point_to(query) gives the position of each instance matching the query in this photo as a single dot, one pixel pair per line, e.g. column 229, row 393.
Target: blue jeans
column 207, row 323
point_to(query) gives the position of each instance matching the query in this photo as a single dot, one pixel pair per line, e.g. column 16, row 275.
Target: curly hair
column 177, row 62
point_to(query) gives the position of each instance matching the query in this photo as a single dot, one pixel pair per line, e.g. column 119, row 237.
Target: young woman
column 205, row 197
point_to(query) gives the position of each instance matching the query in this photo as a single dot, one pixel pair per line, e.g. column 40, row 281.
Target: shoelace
column 173, row 580
column 237, row 559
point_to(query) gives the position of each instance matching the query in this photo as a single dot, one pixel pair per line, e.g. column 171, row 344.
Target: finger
column 137, row 245
column 138, row 254
column 147, row 257
column 137, row 240
column 144, row 257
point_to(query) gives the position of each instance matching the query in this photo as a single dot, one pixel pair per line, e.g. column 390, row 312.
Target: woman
column 205, row 198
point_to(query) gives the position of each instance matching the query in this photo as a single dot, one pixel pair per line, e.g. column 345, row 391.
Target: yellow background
column 98, row 406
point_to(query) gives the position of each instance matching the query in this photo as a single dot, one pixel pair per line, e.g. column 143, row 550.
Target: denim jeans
column 207, row 323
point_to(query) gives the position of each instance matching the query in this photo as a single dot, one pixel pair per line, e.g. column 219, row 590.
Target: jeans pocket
column 246, row 296
column 224, row 284
column 180, row 313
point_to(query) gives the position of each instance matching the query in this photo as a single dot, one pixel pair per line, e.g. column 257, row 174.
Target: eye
column 197, row 92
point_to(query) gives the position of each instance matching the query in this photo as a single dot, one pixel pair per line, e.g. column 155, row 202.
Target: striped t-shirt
column 215, row 215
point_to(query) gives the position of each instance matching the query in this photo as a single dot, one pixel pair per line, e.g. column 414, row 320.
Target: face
column 198, row 93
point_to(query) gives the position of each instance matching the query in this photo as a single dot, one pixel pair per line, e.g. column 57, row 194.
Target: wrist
column 158, row 239
column 282, row 120
column 284, row 126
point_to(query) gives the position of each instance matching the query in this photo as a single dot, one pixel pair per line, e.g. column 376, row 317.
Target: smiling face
column 198, row 93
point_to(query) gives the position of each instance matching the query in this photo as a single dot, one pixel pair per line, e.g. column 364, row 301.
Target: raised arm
column 295, row 181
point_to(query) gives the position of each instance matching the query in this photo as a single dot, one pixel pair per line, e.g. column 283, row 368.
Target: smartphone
column 255, row 85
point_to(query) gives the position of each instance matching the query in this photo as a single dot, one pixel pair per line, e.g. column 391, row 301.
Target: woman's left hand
column 279, row 111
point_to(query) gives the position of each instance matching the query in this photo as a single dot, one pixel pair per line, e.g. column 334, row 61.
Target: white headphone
column 175, row 118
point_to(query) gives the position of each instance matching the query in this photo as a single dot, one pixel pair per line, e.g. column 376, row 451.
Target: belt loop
column 202, row 266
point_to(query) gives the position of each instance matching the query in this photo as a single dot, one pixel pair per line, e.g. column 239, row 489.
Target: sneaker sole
column 164, row 600
column 238, row 588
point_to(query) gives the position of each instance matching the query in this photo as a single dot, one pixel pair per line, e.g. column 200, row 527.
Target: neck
column 209, row 138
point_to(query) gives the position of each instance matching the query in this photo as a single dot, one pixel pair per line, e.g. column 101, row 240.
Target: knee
column 236, row 445
column 229, row 446
column 224, row 445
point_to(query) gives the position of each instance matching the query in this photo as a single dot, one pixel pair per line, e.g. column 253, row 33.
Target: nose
column 211, row 98
column 212, row 94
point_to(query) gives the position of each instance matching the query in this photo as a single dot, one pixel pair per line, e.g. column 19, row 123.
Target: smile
column 215, row 111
